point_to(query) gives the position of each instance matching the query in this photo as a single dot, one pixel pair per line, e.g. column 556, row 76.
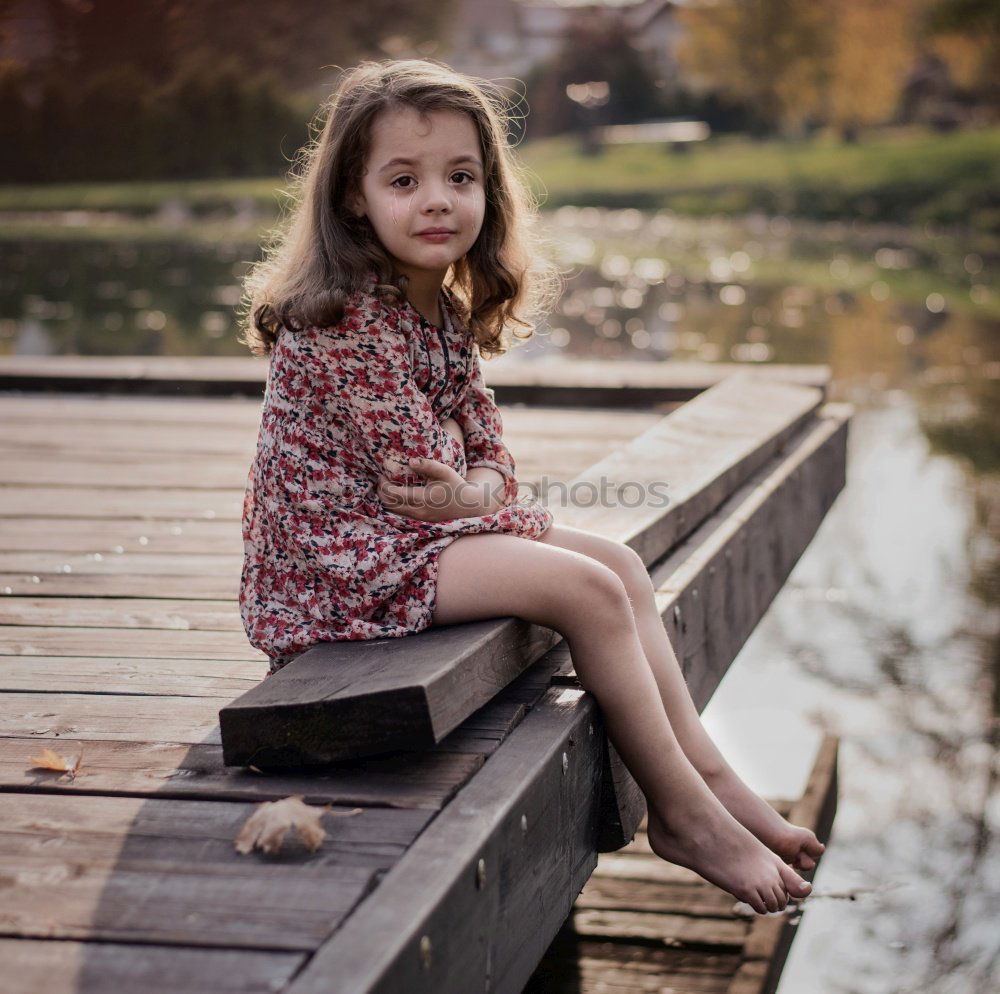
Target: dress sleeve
column 362, row 370
column 480, row 420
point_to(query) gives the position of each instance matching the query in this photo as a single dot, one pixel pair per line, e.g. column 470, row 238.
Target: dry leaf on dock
column 50, row 760
column 265, row 829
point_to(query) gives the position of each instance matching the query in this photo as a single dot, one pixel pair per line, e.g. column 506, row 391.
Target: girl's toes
column 781, row 895
column 794, row 884
column 804, row 862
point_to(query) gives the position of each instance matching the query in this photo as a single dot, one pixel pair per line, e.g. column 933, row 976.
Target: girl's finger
column 431, row 467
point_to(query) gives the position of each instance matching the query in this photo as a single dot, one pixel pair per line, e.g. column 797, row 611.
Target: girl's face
column 423, row 189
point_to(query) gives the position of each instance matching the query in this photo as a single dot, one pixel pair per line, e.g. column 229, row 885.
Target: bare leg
column 491, row 575
column 798, row 846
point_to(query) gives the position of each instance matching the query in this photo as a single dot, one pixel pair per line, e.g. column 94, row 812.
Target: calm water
column 888, row 631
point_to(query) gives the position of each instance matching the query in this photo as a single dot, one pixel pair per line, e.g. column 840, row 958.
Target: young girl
column 409, row 254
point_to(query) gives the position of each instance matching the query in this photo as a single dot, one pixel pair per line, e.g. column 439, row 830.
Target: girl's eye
column 468, row 176
column 400, row 179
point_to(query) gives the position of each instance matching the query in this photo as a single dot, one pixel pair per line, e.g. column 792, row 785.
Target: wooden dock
column 461, row 831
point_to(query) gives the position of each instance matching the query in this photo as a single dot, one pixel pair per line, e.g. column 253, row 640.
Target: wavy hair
column 322, row 253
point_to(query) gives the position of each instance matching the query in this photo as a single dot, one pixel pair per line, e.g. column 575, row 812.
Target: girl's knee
column 617, row 556
column 597, row 592
column 494, row 575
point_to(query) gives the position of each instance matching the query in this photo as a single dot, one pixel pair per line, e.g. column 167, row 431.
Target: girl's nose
column 437, row 198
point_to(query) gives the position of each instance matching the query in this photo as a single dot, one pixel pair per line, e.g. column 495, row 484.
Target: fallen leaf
column 50, row 760
column 265, row 829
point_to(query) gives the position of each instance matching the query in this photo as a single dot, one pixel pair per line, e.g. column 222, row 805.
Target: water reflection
column 888, row 631
column 880, row 637
column 114, row 298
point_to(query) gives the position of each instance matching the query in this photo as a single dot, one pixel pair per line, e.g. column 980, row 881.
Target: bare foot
column 713, row 844
column 794, row 844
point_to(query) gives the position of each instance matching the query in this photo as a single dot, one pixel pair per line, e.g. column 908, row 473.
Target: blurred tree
column 770, row 54
column 187, row 88
column 594, row 50
column 967, row 34
column 14, row 122
column 101, row 34
column 873, row 45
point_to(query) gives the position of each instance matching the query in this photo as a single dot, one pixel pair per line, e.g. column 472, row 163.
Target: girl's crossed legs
column 588, row 602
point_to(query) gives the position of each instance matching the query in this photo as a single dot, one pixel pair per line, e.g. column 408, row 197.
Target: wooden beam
column 557, row 382
column 355, row 698
column 344, row 699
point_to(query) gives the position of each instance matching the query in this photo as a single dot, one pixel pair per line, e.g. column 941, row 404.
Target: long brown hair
column 322, row 253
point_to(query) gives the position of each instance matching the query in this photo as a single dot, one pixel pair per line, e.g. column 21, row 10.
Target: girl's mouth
column 435, row 235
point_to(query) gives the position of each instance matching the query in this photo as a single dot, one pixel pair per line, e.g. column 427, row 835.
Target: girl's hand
column 447, row 495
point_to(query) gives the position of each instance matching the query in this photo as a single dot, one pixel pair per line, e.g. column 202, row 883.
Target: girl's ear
column 356, row 204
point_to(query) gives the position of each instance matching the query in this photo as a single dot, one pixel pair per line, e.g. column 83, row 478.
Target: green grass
column 907, row 176
column 142, row 196
column 904, row 156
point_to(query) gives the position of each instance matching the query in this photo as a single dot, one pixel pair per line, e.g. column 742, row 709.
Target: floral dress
column 324, row 559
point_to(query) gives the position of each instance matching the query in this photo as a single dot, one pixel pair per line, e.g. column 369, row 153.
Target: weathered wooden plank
column 715, row 587
column 608, row 893
column 133, row 643
column 141, row 442
column 630, row 967
column 129, row 535
column 125, row 470
column 111, row 716
column 278, row 721
column 668, row 928
column 689, row 463
column 559, row 381
column 112, row 410
column 148, row 563
column 133, row 612
column 170, row 770
column 421, row 779
column 67, row 967
column 534, row 435
column 119, row 585
column 355, row 698
column 130, row 675
column 478, row 896
column 111, row 832
column 151, row 870
column 142, row 503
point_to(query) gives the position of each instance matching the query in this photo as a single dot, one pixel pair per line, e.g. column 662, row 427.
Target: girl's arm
column 494, row 480
column 479, row 418
column 453, row 428
column 360, row 370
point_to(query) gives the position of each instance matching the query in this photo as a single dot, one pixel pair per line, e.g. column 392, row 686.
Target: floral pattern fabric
column 324, row 559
